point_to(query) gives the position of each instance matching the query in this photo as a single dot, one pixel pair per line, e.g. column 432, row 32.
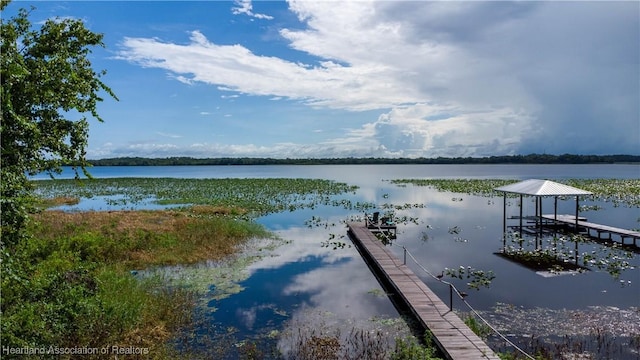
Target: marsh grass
column 46, row 203
column 597, row 345
column 139, row 239
column 71, row 284
column 597, row 332
column 314, row 344
column 477, row 326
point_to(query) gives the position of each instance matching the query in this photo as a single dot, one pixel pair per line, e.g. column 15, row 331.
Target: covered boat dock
column 547, row 188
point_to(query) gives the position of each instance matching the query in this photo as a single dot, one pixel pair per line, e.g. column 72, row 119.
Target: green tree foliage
column 48, row 89
column 507, row 159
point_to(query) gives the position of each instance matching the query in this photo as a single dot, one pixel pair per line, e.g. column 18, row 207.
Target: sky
column 297, row 79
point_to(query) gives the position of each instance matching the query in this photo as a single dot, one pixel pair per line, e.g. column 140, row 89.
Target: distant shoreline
column 510, row 159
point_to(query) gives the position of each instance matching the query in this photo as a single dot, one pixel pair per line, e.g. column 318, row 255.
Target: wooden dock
column 453, row 337
column 600, row 229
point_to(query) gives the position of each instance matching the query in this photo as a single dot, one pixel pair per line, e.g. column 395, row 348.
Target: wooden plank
column 453, row 337
column 570, row 220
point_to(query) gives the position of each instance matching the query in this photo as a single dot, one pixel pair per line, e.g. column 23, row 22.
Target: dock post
column 405, row 255
column 450, row 297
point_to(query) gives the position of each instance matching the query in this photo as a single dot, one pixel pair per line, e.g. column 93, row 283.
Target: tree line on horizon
column 506, row 159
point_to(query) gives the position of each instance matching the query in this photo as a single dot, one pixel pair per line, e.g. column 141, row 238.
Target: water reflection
column 345, row 289
column 114, row 203
column 303, row 283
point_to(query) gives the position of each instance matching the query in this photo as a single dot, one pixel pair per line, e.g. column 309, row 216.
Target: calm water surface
column 303, row 277
column 370, row 174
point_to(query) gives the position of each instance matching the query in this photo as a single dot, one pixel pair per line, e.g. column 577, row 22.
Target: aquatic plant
column 454, row 230
column 410, row 349
column 597, row 332
column 560, row 253
column 620, row 192
column 617, row 191
column 335, row 244
column 257, row 196
column 378, row 292
column 477, row 278
column 481, row 187
column 358, row 344
column 479, row 328
column 317, row 221
column 316, row 334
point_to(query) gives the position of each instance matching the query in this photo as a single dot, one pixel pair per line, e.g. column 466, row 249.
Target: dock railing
column 452, row 290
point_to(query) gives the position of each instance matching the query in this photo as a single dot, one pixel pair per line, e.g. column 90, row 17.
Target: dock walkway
column 453, row 337
column 598, row 228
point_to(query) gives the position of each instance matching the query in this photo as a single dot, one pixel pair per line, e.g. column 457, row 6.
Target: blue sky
column 362, row 78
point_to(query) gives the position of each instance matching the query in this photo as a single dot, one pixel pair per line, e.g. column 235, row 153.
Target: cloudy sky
column 363, row 78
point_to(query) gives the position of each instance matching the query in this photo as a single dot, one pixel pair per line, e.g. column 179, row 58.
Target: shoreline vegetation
column 73, row 283
column 508, row 159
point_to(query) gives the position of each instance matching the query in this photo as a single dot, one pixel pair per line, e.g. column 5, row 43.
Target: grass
column 58, row 201
column 70, row 285
column 139, row 239
column 313, row 344
column 478, row 327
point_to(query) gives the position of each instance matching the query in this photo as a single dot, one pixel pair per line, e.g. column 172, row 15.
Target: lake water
column 304, row 282
column 370, row 174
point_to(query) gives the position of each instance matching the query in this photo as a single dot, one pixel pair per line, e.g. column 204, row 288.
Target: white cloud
column 329, row 84
column 246, row 7
column 447, row 131
column 344, row 148
column 449, row 78
column 183, row 79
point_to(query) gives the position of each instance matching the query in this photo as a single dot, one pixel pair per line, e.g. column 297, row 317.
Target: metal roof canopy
column 536, row 187
column 539, row 188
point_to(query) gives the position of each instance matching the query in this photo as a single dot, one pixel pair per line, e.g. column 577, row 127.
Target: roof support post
column 521, row 216
column 577, row 210
column 539, row 207
column 504, row 222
